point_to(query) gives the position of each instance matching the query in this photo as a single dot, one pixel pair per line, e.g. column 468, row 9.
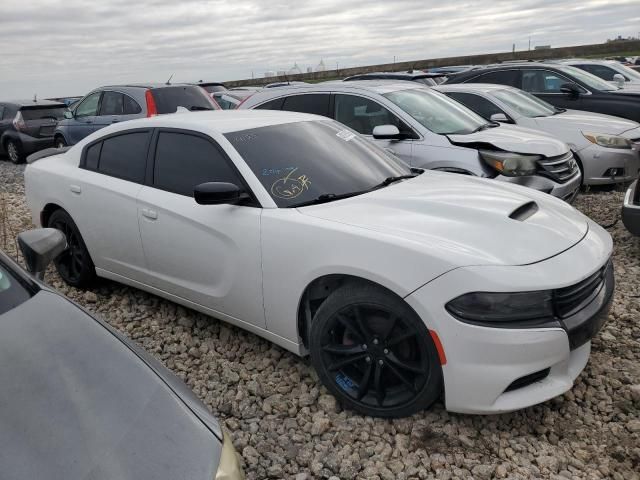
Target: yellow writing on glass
column 289, row 186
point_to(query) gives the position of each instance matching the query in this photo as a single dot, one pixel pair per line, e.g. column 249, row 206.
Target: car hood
column 78, row 403
column 630, row 90
column 589, row 122
column 463, row 219
column 514, row 139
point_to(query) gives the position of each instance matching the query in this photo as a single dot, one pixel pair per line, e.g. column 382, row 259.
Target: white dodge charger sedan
column 403, row 285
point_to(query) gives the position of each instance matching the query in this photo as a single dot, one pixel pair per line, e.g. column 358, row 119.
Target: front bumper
column 598, row 162
column 484, row 363
column 631, row 209
column 565, row 191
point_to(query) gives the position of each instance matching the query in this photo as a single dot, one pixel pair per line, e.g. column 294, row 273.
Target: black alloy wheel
column 74, row 265
column 374, row 353
column 14, row 151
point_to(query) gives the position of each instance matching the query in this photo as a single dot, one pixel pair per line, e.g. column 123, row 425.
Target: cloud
column 67, row 47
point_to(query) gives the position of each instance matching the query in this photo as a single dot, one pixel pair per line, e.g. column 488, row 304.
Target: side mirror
column 39, row 247
column 619, row 79
column 68, row 114
column 499, row 117
column 386, row 132
column 216, row 193
column 570, row 89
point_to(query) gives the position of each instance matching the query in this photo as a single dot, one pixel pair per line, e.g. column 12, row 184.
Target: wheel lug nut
column 386, row 351
column 375, row 341
column 364, row 346
column 368, row 359
column 380, row 362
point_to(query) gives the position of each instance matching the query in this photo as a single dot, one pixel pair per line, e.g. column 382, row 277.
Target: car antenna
column 169, row 81
column 35, row 98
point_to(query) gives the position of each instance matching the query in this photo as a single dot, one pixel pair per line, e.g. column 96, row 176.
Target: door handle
column 115, row 120
column 75, row 189
column 150, row 214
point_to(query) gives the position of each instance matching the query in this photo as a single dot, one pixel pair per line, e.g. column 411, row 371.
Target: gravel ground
column 287, row 426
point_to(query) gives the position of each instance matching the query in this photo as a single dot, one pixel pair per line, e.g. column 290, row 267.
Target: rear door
column 116, row 107
column 364, row 114
column 103, row 201
column 207, row 254
column 5, row 121
column 84, row 117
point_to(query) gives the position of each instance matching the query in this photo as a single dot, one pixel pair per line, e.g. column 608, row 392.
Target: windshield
column 12, row 292
column 298, row 162
column 437, row 112
column 525, row 103
column 589, row 79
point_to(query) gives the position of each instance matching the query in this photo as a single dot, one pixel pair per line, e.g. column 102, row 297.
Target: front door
column 363, row 115
column 545, row 84
column 84, row 117
column 207, row 254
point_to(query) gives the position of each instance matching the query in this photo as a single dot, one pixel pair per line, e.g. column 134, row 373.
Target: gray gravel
column 287, row 426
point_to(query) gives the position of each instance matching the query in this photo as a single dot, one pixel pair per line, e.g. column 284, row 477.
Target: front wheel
column 74, row 265
column 60, row 143
column 374, row 353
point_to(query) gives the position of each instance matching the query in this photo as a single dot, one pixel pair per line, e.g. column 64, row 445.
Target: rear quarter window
column 123, row 156
column 12, row 292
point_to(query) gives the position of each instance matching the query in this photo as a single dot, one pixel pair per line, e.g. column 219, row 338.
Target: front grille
column 559, row 169
column 569, row 300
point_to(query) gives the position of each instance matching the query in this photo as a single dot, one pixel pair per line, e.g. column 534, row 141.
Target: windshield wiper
column 559, row 110
column 198, row 108
column 484, row 126
column 330, row 197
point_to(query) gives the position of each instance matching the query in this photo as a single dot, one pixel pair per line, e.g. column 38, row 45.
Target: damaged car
column 427, row 129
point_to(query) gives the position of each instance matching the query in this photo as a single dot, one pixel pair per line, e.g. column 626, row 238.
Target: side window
column 501, row 77
column 92, row 156
column 125, row 156
column 316, row 103
column 542, row 81
column 363, row 115
column 130, row 106
column 89, row 106
column 601, row 71
column 112, row 104
column 275, row 104
column 184, row 161
column 478, row 104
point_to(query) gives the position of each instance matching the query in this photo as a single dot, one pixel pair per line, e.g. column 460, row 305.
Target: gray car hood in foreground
column 589, row 122
column 514, row 139
column 76, row 403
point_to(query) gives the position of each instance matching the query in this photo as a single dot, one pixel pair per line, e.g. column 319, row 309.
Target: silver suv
column 429, row 130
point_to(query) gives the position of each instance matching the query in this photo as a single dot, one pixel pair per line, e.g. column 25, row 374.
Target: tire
column 374, row 353
column 60, row 142
column 74, row 265
column 14, row 151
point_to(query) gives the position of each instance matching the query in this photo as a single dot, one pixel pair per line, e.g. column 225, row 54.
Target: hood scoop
column 524, row 211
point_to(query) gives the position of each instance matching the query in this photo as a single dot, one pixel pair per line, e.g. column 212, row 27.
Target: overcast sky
column 67, row 47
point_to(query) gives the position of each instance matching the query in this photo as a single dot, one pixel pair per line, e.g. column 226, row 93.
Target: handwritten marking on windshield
column 290, row 187
column 346, row 135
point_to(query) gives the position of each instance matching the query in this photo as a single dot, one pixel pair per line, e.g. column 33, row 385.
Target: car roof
column 570, row 61
column 377, row 86
column 477, row 87
column 397, row 75
column 31, row 103
column 146, row 85
column 221, row 121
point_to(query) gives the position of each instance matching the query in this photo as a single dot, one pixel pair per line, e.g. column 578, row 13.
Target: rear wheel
column 74, row 265
column 14, row 151
column 374, row 353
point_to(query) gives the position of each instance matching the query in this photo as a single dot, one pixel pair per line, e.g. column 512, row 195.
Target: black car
column 561, row 85
column 80, row 401
column 27, row 126
column 428, row 79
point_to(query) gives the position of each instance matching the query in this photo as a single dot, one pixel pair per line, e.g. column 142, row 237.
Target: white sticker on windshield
column 346, row 135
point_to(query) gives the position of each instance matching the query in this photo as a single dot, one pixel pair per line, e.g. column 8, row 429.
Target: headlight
column 511, row 164
column 609, row 141
column 483, row 307
column 229, row 466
